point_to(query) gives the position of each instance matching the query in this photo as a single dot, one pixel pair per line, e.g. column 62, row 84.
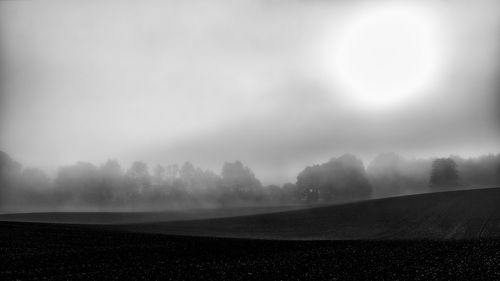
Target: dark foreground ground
column 63, row 252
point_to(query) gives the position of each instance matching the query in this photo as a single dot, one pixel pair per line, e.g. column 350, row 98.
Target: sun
column 386, row 56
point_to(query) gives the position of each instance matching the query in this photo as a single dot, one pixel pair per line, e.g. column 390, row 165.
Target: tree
column 289, row 192
column 81, row 183
column 309, row 184
column 138, row 177
column 111, row 169
column 280, row 194
column 444, row 173
column 171, row 173
column 35, row 179
column 340, row 179
column 159, row 175
column 240, row 183
column 10, row 170
column 187, row 173
column 112, row 181
column 498, row 169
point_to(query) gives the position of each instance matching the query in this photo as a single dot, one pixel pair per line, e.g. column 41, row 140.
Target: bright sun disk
column 386, row 56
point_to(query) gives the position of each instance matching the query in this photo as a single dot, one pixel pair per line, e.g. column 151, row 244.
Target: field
column 63, row 252
column 465, row 214
column 441, row 236
column 140, row 217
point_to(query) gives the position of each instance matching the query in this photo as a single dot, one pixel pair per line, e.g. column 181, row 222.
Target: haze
column 208, row 82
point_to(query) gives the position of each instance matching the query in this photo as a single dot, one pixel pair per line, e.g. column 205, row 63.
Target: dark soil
column 69, row 252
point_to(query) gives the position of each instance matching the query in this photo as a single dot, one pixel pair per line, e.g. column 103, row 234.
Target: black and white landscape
column 250, row 140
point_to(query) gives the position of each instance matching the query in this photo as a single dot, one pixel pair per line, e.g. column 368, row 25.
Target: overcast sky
column 215, row 81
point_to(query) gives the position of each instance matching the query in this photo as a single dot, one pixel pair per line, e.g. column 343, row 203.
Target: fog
column 84, row 186
column 164, row 82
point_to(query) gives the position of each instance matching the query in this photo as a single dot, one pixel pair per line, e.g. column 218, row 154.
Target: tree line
column 140, row 187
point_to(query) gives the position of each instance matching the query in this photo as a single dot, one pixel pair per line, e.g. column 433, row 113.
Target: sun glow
column 386, row 55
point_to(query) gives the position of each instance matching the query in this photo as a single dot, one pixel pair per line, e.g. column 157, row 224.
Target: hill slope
column 446, row 215
column 139, row 217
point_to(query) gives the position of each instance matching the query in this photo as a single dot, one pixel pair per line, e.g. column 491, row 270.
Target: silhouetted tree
column 444, row 173
column 309, row 183
column 240, row 183
column 340, row 179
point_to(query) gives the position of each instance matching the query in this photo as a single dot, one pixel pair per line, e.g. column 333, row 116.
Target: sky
column 274, row 84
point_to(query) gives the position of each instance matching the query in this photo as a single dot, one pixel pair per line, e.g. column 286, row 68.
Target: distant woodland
column 109, row 186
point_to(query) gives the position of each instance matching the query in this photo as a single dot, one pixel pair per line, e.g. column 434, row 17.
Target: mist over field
column 84, row 186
